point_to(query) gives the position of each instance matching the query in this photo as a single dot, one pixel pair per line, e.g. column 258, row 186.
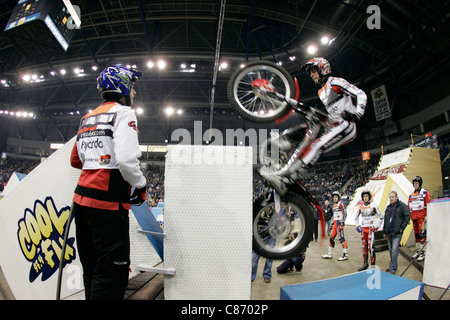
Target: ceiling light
column 180, row 112
column 53, row 73
column 26, row 77
column 76, row 70
column 312, row 49
column 183, row 66
column 139, row 111
column 94, row 68
column 193, row 65
column 161, row 64
column 242, row 66
column 224, row 65
column 292, row 58
column 62, row 71
column 150, row 64
column 324, row 40
column 169, row 111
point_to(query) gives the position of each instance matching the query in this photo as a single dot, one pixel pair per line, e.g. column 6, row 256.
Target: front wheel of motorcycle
column 288, row 237
column 248, row 87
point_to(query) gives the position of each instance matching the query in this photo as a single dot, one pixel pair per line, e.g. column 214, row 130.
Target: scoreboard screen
column 34, row 24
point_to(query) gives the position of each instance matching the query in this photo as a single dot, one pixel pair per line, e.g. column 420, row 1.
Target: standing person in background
column 316, row 224
column 417, row 204
column 396, row 218
column 369, row 212
column 328, row 214
column 339, row 214
column 107, row 151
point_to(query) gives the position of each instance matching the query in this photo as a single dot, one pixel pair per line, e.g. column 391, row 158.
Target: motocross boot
column 329, row 254
column 365, row 265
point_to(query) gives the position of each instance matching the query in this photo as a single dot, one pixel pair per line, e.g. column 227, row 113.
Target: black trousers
column 103, row 243
column 316, row 229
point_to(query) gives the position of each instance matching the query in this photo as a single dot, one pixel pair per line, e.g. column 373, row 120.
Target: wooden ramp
column 145, row 286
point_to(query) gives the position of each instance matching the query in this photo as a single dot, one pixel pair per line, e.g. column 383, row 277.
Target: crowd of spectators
column 155, row 185
column 10, row 165
column 344, row 176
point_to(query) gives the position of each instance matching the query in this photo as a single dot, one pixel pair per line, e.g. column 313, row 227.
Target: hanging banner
column 381, row 103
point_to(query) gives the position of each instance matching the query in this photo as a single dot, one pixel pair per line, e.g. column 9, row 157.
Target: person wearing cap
column 417, row 204
column 107, row 152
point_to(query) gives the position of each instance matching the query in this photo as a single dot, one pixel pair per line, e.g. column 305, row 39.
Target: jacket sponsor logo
column 132, row 124
column 105, row 159
column 40, row 235
column 91, row 144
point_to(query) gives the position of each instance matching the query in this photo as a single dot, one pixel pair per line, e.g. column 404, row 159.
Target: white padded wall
column 437, row 252
column 208, row 221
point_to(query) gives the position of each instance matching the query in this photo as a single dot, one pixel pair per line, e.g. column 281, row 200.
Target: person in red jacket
column 417, row 204
column 107, row 151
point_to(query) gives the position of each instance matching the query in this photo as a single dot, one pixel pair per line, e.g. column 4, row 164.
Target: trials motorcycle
column 283, row 218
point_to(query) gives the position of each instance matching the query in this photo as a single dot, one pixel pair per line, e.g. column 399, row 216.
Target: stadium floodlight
column 161, row 64
column 312, row 49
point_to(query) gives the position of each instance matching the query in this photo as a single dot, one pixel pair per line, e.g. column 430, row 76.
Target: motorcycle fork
column 277, row 202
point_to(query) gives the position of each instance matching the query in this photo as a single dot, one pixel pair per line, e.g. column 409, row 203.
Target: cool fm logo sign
column 40, row 236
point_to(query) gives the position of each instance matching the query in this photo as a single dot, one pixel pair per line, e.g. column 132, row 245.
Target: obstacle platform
column 366, row 285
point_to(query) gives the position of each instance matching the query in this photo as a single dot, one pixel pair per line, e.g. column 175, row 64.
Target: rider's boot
column 329, row 254
column 417, row 253
column 421, row 254
column 284, row 145
column 277, row 182
column 366, row 263
column 344, row 255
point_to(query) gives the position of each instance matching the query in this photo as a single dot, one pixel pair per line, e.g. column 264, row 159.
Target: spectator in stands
column 396, row 218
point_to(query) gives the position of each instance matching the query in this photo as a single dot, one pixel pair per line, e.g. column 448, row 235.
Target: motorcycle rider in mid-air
column 345, row 104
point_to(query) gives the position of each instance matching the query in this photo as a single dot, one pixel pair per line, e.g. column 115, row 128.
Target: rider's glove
column 358, row 229
column 348, row 116
column 138, row 196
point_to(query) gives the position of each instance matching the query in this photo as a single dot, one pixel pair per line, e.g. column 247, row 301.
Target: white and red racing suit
column 371, row 221
column 417, row 204
column 107, row 150
column 339, row 97
column 339, row 216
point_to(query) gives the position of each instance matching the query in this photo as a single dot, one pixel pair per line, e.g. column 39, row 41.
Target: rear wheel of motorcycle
column 250, row 103
column 269, row 241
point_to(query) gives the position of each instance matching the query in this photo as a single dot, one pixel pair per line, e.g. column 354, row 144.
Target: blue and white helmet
column 117, row 79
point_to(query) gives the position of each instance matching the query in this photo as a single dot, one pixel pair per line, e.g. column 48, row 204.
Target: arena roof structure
column 187, row 48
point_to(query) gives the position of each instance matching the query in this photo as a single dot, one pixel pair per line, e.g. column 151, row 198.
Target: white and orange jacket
column 371, row 216
column 107, row 150
column 338, row 95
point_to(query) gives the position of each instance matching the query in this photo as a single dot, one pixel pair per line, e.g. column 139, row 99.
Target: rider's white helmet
column 322, row 64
